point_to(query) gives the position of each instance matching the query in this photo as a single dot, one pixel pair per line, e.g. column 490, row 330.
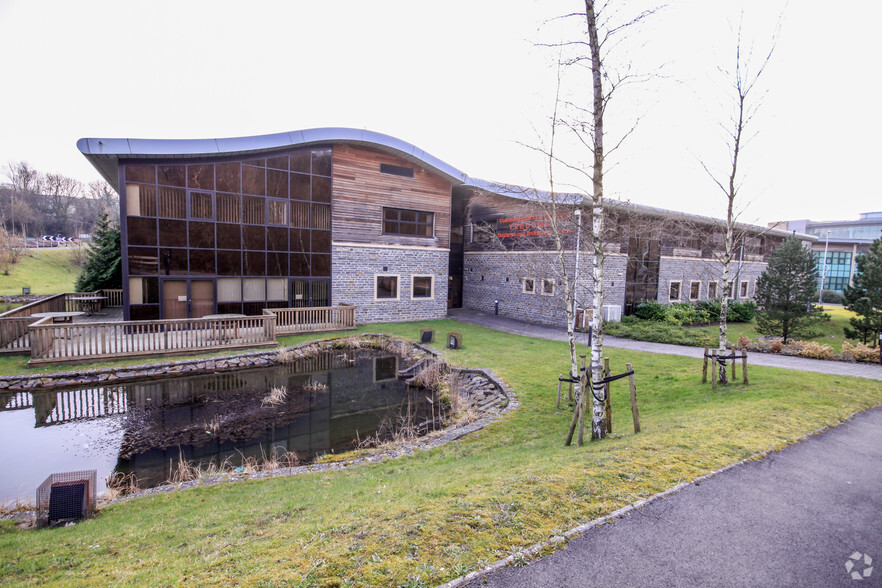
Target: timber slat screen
column 54, row 343
column 305, row 320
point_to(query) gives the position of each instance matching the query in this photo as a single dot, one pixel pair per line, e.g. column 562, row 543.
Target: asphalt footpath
column 809, row 515
column 838, row 368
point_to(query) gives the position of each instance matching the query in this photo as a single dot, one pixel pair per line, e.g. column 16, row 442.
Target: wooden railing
column 56, row 343
column 114, row 297
column 307, row 320
column 51, row 304
column 14, row 337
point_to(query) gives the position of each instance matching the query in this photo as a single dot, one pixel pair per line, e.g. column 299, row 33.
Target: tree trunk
column 598, row 416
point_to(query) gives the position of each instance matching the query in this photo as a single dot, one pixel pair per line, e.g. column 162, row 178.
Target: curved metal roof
column 105, row 154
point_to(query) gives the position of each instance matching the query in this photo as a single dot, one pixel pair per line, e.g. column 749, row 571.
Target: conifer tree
column 103, row 267
column 864, row 298
column 785, row 291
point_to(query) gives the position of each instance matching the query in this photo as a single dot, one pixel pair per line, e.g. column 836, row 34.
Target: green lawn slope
column 423, row 519
column 54, row 272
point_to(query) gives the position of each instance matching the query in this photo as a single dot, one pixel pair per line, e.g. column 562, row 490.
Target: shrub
column 815, row 350
column 741, row 311
column 831, row 297
column 712, row 307
column 658, row 332
column 860, row 352
column 650, row 310
column 793, row 348
column 760, row 345
column 677, row 313
column 743, row 342
column 777, row 345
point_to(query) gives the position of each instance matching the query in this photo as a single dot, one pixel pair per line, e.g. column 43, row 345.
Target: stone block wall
column 491, row 276
column 686, row 270
column 354, row 282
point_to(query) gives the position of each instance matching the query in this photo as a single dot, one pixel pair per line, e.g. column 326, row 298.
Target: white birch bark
column 598, row 414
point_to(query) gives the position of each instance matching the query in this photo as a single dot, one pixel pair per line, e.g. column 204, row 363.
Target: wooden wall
column 361, row 191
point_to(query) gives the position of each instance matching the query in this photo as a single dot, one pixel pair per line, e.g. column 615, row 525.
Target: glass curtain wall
column 253, row 227
column 838, row 271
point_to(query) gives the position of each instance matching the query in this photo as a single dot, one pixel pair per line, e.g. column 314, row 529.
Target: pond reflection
column 308, row 408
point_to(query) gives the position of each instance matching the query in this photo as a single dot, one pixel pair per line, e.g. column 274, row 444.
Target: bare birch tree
column 743, row 79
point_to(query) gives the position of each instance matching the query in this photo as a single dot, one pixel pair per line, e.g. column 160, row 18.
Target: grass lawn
column 831, row 334
column 424, row 519
column 53, row 273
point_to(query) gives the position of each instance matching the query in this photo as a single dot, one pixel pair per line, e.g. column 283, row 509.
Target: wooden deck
column 104, row 334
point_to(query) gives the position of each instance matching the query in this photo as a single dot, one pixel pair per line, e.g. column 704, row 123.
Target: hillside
column 53, row 273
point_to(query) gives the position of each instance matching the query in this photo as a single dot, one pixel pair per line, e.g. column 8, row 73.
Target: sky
column 472, row 82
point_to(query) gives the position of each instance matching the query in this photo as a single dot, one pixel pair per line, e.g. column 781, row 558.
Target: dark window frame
column 393, row 218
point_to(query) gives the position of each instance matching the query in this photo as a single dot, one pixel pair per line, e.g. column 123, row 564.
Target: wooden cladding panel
column 361, row 191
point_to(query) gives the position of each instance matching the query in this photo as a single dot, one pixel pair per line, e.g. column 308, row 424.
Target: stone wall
column 491, row 276
column 354, row 274
column 686, row 270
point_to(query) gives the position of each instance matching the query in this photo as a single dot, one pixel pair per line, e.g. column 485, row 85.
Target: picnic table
column 90, row 304
column 58, row 316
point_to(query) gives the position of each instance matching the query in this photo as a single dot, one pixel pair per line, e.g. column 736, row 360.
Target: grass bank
column 829, row 333
column 424, row 519
column 54, row 272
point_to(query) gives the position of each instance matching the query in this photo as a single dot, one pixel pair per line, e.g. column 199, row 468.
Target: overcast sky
column 465, row 81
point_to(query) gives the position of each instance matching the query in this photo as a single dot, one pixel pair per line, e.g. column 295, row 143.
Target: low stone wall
column 485, row 399
column 187, row 367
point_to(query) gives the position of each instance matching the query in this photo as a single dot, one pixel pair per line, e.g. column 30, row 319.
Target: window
column 674, row 293
column 399, row 221
column 711, row 290
column 200, row 205
column 396, row 170
column 529, row 285
column 694, row 290
column 547, row 287
column 422, row 287
column 743, row 292
column 278, row 212
column 386, row 287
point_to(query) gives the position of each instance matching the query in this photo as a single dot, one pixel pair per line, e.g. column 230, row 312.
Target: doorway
column 187, row 298
column 310, row 293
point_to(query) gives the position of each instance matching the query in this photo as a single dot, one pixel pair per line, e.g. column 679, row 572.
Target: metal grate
column 66, row 496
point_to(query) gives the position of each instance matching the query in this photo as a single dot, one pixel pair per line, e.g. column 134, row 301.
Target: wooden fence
column 291, row 321
column 14, row 334
column 77, row 342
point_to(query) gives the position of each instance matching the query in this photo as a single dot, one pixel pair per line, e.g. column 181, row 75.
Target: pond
column 291, row 413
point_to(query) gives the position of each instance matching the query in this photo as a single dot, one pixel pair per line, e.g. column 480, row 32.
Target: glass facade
column 838, row 269
column 228, row 237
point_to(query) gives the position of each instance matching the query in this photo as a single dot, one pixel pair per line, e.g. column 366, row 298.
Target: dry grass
column 120, row 484
column 431, row 377
column 285, row 356
column 315, row 387
column 462, row 411
column 277, row 395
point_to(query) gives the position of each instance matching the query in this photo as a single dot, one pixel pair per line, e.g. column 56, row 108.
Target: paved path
column 839, row 368
column 794, row 518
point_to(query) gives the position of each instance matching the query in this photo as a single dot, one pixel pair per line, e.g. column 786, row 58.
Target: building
column 842, row 241
column 309, row 218
column 331, row 216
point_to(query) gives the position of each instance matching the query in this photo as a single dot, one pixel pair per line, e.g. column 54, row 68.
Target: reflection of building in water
column 333, row 400
column 324, row 412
